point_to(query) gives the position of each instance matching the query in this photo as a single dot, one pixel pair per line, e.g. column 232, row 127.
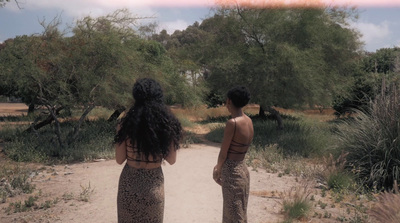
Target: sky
column 379, row 20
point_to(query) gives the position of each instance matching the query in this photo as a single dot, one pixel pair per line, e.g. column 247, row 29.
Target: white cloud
column 79, row 8
column 95, row 8
column 372, row 32
column 173, row 25
column 374, row 35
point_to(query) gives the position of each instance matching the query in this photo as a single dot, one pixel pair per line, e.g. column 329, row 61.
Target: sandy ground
column 191, row 195
column 7, row 109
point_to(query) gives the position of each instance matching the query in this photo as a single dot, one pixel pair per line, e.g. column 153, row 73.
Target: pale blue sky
column 380, row 26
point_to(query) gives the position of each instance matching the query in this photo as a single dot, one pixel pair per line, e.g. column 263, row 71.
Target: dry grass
column 296, row 203
column 333, row 166
column 387, row 207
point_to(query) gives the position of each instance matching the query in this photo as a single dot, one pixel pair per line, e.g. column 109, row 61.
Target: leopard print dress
column 140, row 195
column 235, row 191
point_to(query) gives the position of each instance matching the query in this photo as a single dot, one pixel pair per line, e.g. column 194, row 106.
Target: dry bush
column 387, row 207
column 332, row 165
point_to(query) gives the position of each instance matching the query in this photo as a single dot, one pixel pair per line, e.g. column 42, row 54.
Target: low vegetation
column 14, row 180
column 94, row 142
column 296, row 203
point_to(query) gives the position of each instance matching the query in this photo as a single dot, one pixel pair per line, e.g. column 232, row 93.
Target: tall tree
column 185, row 48
column 289, row 57
column 94, row 67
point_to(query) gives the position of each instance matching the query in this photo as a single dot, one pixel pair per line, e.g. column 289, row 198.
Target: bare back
column 242, row 138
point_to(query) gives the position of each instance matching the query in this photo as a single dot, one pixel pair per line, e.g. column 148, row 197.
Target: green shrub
column 296, row 203
column 373, row 142
column 339, row 181
column 298, row 137
column 93, row 142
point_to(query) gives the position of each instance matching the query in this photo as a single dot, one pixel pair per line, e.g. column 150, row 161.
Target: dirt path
column 190, row 192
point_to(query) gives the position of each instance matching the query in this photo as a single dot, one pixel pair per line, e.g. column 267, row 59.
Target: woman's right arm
column 223, row 153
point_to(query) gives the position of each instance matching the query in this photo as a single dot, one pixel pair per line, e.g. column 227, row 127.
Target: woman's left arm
column 120, row 150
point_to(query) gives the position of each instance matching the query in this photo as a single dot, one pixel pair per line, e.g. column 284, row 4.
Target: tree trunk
column 31, row 108
column 116, row 114
column 277, row 116
column 58, row 127
column 45, row 122
column 75, row 132
column 261, row 112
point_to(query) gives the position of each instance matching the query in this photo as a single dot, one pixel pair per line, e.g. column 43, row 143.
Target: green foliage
column 289, row 57
column 185, row 48
column 96, row 66
column 384, row 61
column 299, row 137
column 339, row 181
column 214, row 100
column 372, row 142
column 94, row 142
column 368, row 75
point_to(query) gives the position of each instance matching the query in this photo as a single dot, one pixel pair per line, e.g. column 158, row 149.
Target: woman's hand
column 217, row 175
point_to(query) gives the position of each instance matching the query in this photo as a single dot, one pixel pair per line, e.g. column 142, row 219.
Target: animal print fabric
column 140, row 195
column 235, row 191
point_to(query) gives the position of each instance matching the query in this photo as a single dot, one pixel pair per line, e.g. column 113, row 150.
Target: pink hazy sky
column 190, row 3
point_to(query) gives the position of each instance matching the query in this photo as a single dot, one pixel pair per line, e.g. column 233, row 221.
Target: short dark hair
column 239, row 96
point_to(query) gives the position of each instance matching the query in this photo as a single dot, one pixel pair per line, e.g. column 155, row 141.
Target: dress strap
column 234, row 131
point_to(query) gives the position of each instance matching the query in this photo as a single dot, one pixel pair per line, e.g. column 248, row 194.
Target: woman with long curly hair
column 148, row 134
column 231, row 172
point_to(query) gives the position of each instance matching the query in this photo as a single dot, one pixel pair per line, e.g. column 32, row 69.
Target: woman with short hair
column 231, row 171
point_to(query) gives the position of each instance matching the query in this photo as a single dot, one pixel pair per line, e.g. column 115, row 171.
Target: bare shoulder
column 248, row 119
column 230, row 123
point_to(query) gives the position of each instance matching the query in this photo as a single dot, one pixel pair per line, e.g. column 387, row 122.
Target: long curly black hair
column 149, row 124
